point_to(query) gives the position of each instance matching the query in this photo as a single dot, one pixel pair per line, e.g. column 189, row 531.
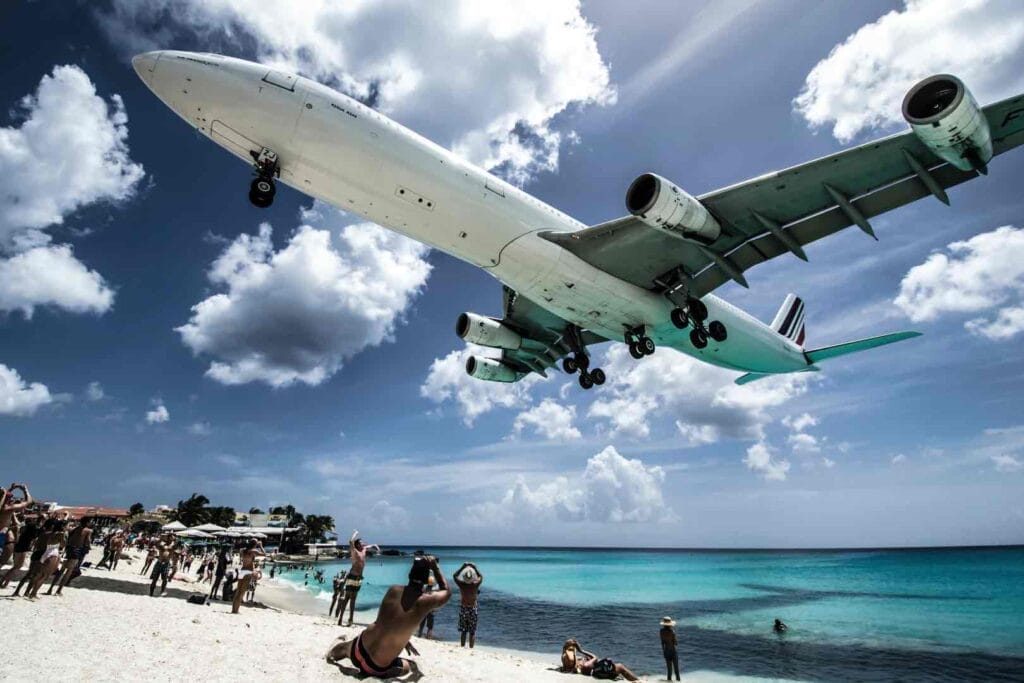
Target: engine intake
column 947, row 119
column 478, row 329
column 663, row 206
column 491, row 370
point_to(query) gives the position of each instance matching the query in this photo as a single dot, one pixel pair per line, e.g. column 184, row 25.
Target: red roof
column 79, row 511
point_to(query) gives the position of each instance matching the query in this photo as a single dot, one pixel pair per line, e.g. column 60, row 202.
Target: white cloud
column 447, row 381
column 898, row 458
column 704, row 400
column 610, row 489
column 550, row 420
column 296, row 314
column 69, row 151
column 1007, row 463
column 158, row 415
column 804, row 443
column 861, row 84
column 94, row 392
column 19, row 398
column 229, row 460
column 201, row 428
column 800, row 423
column 51, row 276
column 487, row 79
column 983, row 274
column 761, row 459
column 388, row 515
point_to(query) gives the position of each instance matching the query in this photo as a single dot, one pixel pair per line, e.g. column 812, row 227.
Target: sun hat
column 468, row 575
column 667, row 621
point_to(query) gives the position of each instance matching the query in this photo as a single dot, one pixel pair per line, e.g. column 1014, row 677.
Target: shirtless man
column 116, row 543
column 354, row 580
column 9, row 507
column 400, row 613
column 246, row 574
column 77, row 548
column 468, row 578
column 162, row 566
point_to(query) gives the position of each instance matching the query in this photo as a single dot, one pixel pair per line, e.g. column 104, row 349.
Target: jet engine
column 665, row 207
column 947, row 119
column 491, row 370
column 478, row 329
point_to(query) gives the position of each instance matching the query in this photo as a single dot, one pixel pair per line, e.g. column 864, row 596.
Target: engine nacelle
column 947, row 119
column 663, row 206
column 491, row 370
column 478, row 329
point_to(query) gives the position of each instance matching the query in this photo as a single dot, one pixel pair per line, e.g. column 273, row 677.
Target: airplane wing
column 542, row 333
column 804, row 203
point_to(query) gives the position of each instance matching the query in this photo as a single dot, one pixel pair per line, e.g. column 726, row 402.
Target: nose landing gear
column 263, row 188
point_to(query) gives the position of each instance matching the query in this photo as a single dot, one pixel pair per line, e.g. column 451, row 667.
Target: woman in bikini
column 591, row 664
column 52, row 539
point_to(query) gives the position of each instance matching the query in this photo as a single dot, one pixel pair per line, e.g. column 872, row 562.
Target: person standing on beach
column 10, row 506
column 222, row 567
column 468, row 578
column 78, row 547
column 22, row 546
column 669, row 646
column 246, row 574
column 116, row 543
column 162, row 566
column 354, row 580
column 53, row 540
column 400, row 612
column 150, row 556
column 428, row 621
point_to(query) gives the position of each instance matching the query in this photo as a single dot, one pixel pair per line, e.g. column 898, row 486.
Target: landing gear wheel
column 717, row 331
column 636, row 351
column 586, row 381
column 679, row 318
column 698, row 311
column 698, row 338
column 582, row 361
column 646, row 345
column 261, row 192
column 597, row 375
column 570, row 366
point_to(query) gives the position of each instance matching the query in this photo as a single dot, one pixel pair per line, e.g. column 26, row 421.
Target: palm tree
column 136, row 509
column 317, row 527
column 255, row 511
column 192, row 512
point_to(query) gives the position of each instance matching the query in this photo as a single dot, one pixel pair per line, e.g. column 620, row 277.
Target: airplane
column 645, row 279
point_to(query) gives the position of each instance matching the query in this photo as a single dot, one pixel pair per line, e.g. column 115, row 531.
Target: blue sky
column 114, row 222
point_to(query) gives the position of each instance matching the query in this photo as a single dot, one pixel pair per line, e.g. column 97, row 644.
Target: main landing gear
column 580, row 361
column 639, row 344
column 263, row 188
column 696, row 313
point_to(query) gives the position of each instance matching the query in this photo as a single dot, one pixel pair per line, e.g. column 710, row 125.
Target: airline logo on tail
column 789, row 321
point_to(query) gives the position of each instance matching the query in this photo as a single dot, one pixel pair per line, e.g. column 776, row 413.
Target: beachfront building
column 103, row 517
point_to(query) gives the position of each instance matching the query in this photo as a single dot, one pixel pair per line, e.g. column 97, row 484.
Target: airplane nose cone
column 145, row 65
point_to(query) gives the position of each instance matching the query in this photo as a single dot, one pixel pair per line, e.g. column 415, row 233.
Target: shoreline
column 106, row 627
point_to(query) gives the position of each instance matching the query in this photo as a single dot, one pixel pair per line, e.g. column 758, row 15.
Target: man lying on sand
column 577, row 660
column 401, row 611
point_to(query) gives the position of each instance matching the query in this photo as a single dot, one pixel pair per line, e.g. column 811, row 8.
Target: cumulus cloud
column 899, row 458
column 200, row 428
column 487, row 79
column 158, row 415
column 1007, row 463
column 861, row 84
column 800, row 423
column 388, row 515
column 705, row 402
column 982, row 275
column 296, row 314
column 69, row 150
column 19, row 398
column 94, row 392
column 550, row 420
column 51, row 276
column 761, row 459
column 447, row 381
column 611, row 488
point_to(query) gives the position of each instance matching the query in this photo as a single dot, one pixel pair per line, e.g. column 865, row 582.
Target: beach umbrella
column 258, row 535
column 222, row 533
column 209, row 528
column 193, row 533
column 174, row 526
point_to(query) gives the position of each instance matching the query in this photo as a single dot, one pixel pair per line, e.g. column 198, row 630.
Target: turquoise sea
column 921, row 614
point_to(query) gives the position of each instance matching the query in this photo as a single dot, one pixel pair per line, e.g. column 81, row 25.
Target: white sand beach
column 106, row 627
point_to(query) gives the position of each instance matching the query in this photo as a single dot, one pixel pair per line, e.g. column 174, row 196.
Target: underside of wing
column 778, row 213
column 530, row 338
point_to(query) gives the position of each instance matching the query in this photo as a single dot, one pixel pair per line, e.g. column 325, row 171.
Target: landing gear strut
column 263, row 188
column 580, row 361
column 640, row 344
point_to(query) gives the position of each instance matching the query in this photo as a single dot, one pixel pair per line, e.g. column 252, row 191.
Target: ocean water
column 929, row 615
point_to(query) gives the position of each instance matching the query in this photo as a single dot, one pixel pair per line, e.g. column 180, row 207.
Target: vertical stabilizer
column 789, row 321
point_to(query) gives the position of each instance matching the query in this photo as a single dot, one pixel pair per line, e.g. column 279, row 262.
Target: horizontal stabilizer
column 826, row 352
column 754, row 376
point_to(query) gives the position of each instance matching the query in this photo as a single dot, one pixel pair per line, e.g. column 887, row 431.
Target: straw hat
column 667, row 621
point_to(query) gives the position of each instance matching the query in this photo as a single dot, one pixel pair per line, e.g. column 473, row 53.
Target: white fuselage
column 337, row 150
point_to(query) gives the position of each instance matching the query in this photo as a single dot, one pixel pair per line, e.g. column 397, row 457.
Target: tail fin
column 789, row 321
column 826, row 352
